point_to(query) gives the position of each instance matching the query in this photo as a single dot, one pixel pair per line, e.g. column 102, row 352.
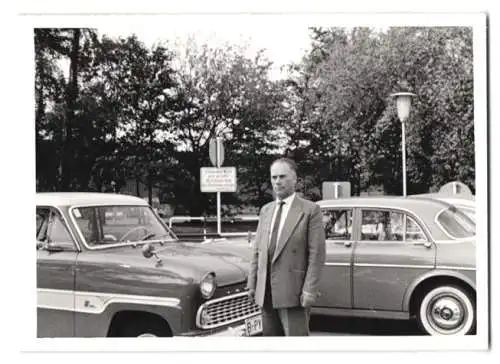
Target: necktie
column 276, row 226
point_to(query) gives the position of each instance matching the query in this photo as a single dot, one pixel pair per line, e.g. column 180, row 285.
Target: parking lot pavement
column 342, row 326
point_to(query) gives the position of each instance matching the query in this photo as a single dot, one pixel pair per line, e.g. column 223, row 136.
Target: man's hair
column 288, row 161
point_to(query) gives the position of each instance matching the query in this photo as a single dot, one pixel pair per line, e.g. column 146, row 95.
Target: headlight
column 208, row 286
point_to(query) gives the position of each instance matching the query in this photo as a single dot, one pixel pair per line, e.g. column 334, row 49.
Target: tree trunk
column 150, row 189
column 71, row 97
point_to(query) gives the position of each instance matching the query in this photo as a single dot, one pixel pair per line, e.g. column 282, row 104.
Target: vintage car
column 400, row 258
column 107, row 265
column 396, row 258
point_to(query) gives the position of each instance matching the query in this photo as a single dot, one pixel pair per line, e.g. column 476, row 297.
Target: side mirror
column 148, row 251
column 40, row 245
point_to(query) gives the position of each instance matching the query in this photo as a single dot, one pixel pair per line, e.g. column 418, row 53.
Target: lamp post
column 403, row 103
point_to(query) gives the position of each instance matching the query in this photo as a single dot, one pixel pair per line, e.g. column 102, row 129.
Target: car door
column 391, row 252
column 335, row 284
column 56, row 258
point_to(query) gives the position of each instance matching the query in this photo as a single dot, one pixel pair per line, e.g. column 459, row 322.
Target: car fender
column 97, row 324
column 431, row 274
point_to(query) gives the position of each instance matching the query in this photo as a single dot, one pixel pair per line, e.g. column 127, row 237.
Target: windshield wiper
column 149, row 236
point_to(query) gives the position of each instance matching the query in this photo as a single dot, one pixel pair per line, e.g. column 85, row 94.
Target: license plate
column 253, row 325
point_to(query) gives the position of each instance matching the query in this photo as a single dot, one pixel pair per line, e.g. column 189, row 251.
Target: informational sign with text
column 214, row 179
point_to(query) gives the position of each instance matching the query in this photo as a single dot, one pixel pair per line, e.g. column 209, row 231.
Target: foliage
column 108, row 111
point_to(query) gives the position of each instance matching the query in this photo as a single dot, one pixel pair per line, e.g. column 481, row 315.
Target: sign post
column 216, row 154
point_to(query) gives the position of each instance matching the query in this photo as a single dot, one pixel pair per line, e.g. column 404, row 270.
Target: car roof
column 417, row 205
column 445, row 197
column 459, row 202
column 86, row 198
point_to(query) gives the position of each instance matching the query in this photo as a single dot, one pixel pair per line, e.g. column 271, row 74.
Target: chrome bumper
column 232, row 331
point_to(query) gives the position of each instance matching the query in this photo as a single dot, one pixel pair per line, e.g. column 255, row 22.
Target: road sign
column 456, row 189
column 218, row 179
column 216, row 151
column 333, row 190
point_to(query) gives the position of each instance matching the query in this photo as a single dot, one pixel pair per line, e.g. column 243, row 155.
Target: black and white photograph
column 208, row 179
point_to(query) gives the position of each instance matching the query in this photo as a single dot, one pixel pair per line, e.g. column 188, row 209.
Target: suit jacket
column 298, row 259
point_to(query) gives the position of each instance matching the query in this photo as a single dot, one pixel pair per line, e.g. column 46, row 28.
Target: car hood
column 192, row 260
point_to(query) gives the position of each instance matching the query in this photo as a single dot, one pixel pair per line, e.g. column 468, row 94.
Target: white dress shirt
column 284, row 213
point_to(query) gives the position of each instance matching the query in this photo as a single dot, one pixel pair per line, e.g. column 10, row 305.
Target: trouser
column 290, row 321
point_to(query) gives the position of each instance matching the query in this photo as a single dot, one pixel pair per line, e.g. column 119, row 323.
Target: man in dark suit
column 288, row 256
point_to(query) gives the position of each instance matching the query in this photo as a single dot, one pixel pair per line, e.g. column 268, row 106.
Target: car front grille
column 225, row 311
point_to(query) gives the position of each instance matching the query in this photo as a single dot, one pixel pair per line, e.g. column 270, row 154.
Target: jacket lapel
column 268, row 215
column 294, row 215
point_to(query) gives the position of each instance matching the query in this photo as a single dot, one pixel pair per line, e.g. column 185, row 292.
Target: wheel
column 151, row 329
column 447, row 310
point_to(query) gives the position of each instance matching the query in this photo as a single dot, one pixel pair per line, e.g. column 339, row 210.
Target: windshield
column 107, row 225
column 456, row 223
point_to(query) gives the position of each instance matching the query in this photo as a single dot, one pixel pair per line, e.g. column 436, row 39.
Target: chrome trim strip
column 394, row 266
column 356, row 312
column 68, row 227
column 455, row 267
column 94, row 302
column 338, row 264
column 225, row 298
column 107, row 246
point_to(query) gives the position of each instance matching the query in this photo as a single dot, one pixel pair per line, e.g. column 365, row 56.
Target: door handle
column 427, row 244
column 344, row 243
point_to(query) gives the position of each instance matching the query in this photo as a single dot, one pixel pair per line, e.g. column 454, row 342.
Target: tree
column 223, row 93
column 136, row 83
column 346, row 80
column 57, row 100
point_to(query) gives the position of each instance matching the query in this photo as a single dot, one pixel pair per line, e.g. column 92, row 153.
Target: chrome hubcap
column 447, row 313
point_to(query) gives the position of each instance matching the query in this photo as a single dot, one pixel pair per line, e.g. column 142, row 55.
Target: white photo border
column 27, row 284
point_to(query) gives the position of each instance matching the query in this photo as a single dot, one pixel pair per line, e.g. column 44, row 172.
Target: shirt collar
column 288, row 200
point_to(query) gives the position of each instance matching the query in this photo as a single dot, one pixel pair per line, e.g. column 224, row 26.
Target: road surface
column 337, row 326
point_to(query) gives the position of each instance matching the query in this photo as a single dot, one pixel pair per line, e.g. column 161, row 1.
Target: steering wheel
column 134, row 229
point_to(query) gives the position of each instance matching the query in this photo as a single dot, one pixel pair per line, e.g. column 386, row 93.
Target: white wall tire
column 146, row 335
column 447, row 310
column 147, row 328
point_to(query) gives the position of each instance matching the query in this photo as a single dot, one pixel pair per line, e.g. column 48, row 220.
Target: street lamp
column 403, row 103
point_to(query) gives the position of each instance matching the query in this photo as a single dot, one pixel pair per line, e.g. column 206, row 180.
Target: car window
column 381, row 225
column 337, row 224
column 456, row 224
column 469, row 212
column 106, row 225
column 42, row 223
column 413, row 230
column 52, row 229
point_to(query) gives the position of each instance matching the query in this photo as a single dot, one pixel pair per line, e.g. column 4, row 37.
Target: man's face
column 283, row 179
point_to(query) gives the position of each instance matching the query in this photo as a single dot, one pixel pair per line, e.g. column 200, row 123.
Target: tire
column 145, row 329
column 447, row 310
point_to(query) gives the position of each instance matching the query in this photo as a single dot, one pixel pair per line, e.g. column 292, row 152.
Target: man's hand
column 251, row 294
column 307, row 299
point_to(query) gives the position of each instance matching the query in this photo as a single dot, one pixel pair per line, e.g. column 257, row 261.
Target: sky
column 283, row 44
